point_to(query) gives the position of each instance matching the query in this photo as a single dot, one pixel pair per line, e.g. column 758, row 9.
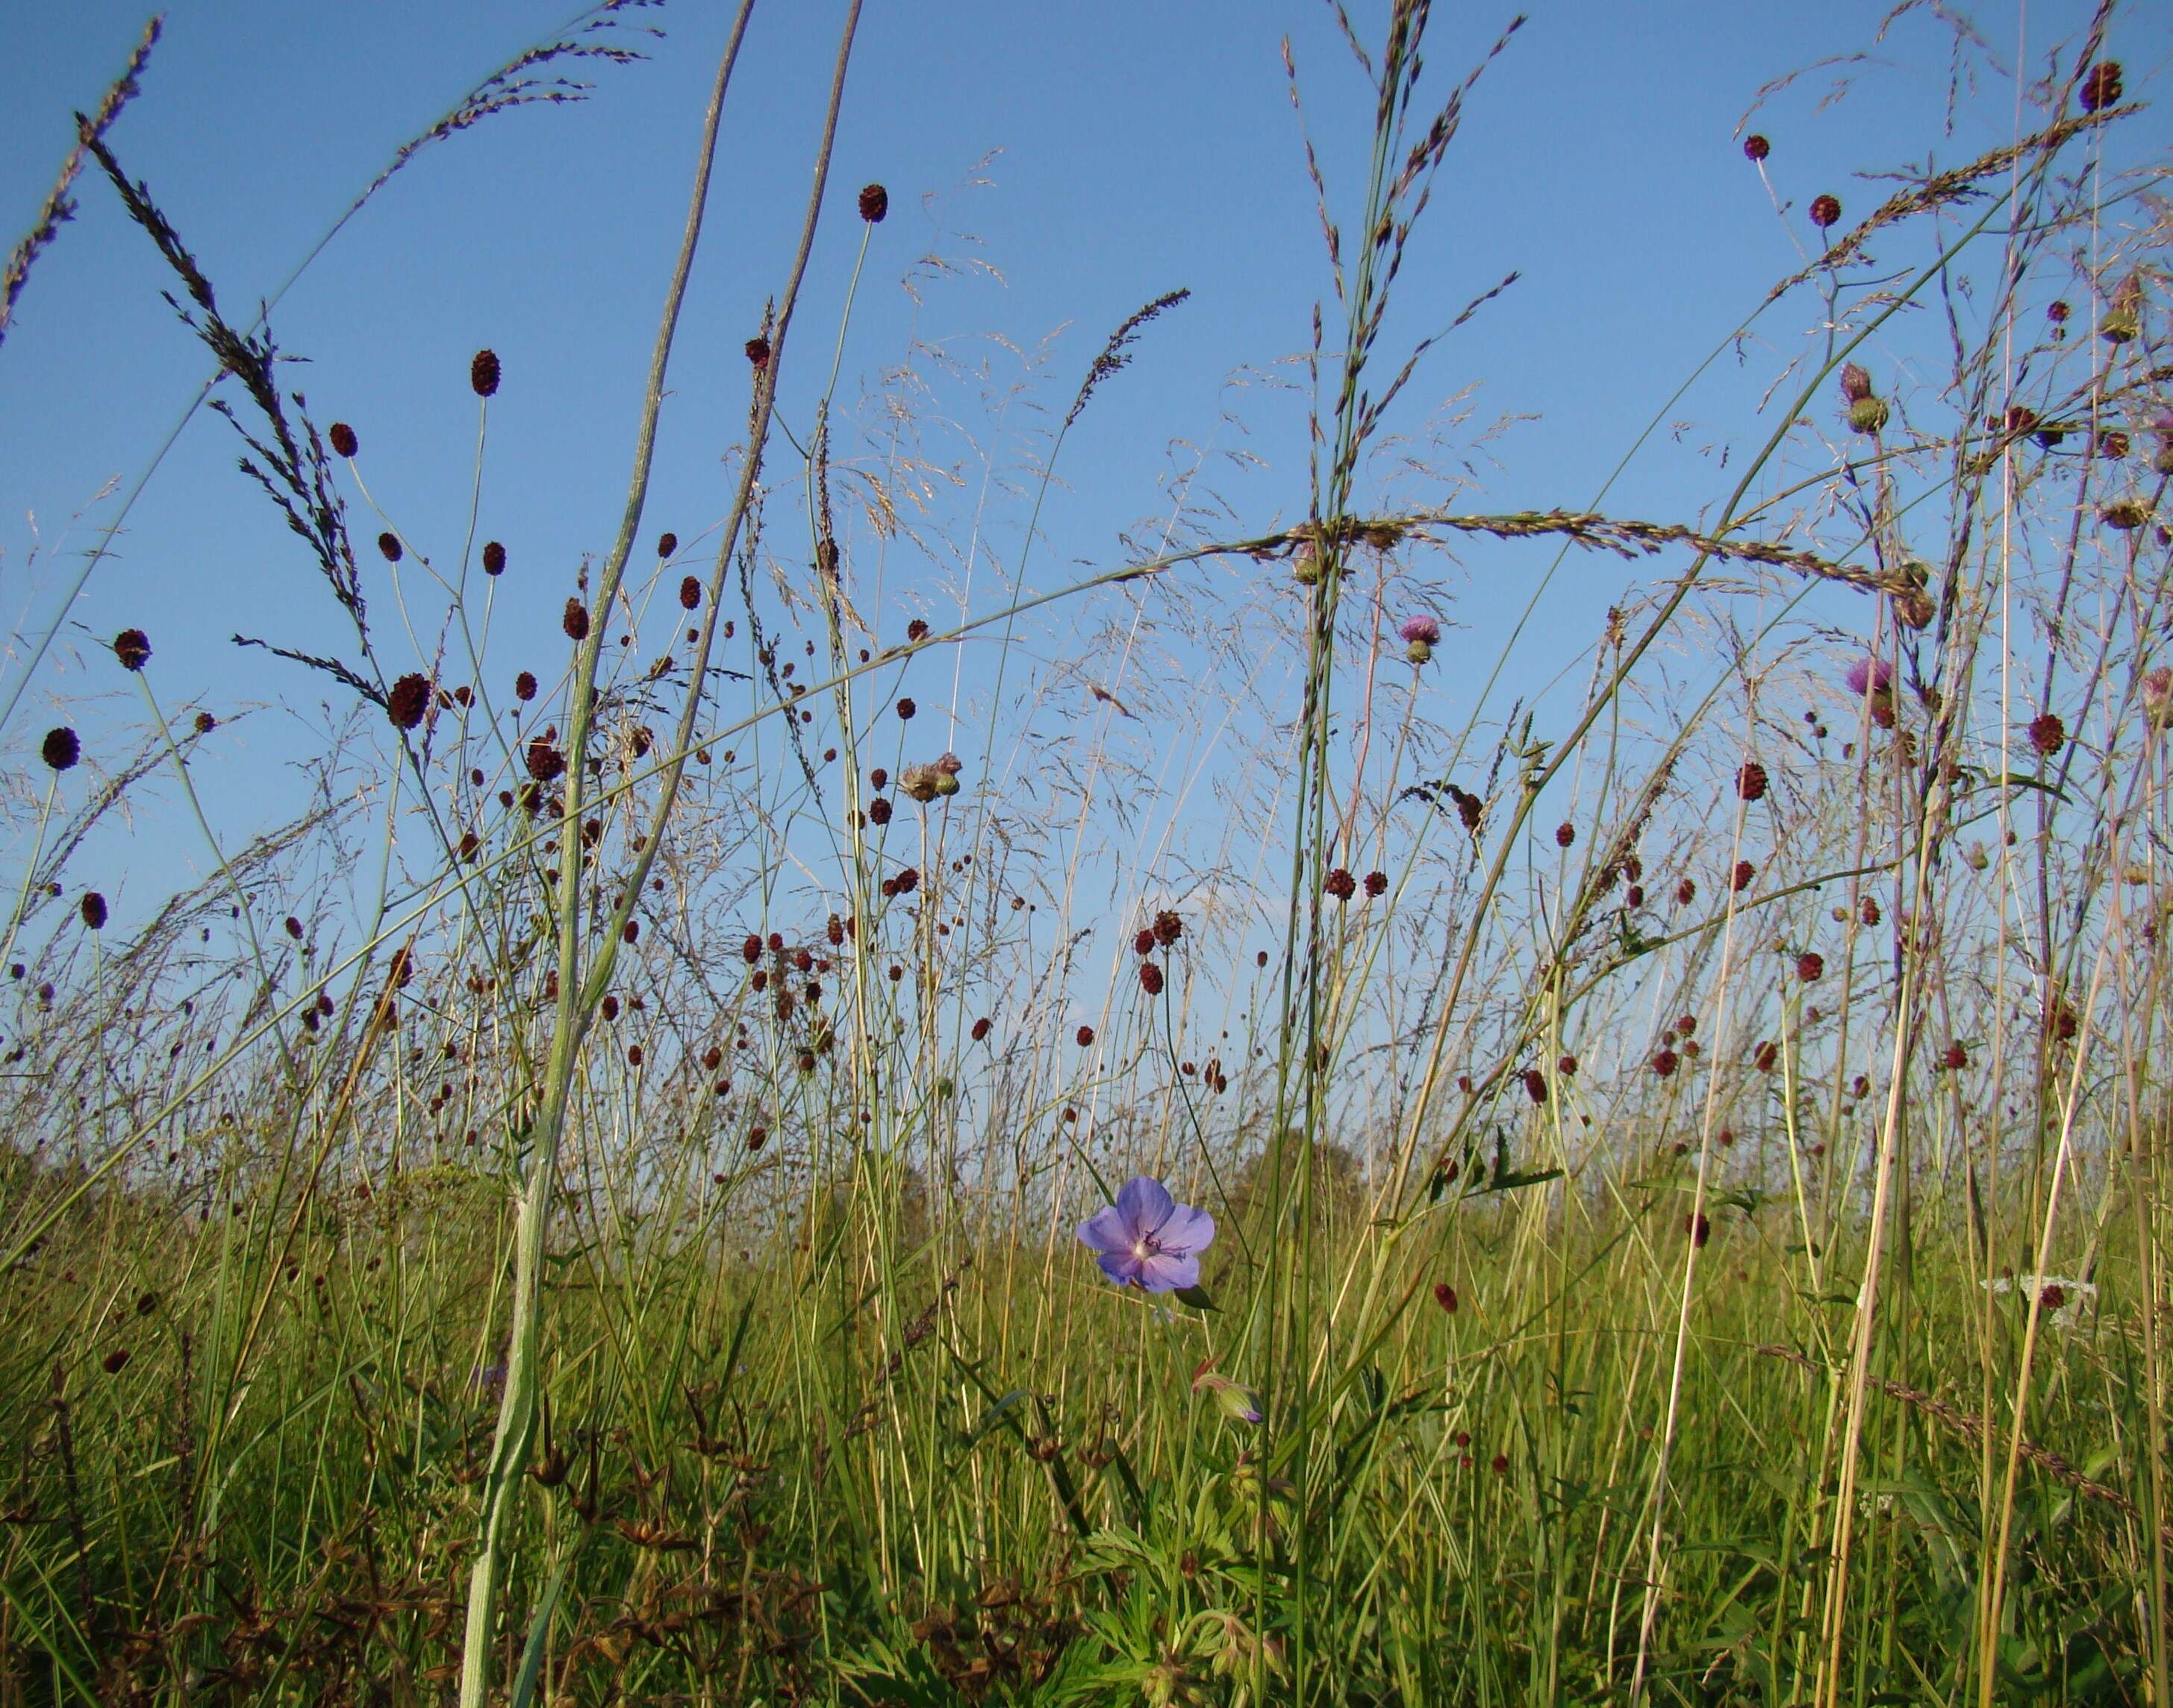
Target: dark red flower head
column 388, row 544
column 1445, row 1296
column 982, row 1028
column 1143, row 943
column 1664, row 1062
column 667, row 544
column 1085, row 1036
column 1752, row 781
column 1756, row 147
column 133, row 647
column 1377, row 883
column 546, row 764
column 1739, row 879
column 61, row 748
column 2101, row 86
column 1824, row 211
column 1699, row 1228
column 1535, row 1085
column 1168, row 928
column 94, row 910
column 1810, row 966
column 1954, row 1059
column 409, row 700
column 875, row 202
column 2047, row 734
column 1765, row 1056
column 757, row 352
column 1685, row 892
column 1341, row 885
column 1564, row 834
column 1150, row 978
column 906, row 708
column 690, row 593
column 575, row 622
column 483, row 373
column 344, row 442
column 524, row 686
column 205, row 723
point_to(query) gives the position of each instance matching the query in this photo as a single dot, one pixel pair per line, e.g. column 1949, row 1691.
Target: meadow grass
column 1687, row 1151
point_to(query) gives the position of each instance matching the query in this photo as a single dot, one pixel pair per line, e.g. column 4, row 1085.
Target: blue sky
column 1095, row 157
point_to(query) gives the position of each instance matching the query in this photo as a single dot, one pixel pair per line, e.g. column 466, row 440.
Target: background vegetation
column 1689, row 1151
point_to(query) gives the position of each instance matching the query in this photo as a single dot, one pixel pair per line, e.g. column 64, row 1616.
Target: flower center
column 1141, row 1249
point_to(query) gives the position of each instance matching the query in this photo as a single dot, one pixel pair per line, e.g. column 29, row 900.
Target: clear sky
column 1092, row 156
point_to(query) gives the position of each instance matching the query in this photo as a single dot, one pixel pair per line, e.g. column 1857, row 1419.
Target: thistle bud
column 1868, row 415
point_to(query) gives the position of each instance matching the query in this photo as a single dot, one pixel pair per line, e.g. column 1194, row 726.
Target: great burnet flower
column 1147, row 1239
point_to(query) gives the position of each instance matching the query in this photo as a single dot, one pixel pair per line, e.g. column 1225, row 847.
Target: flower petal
column 1189, row 1230
column 1168, row 1272
column 1145, row 1205
column 1107, row 1231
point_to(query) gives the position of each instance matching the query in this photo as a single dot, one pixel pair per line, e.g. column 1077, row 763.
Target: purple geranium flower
column 1421, row 627
column 1148, row 1240
column 1869, row 675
